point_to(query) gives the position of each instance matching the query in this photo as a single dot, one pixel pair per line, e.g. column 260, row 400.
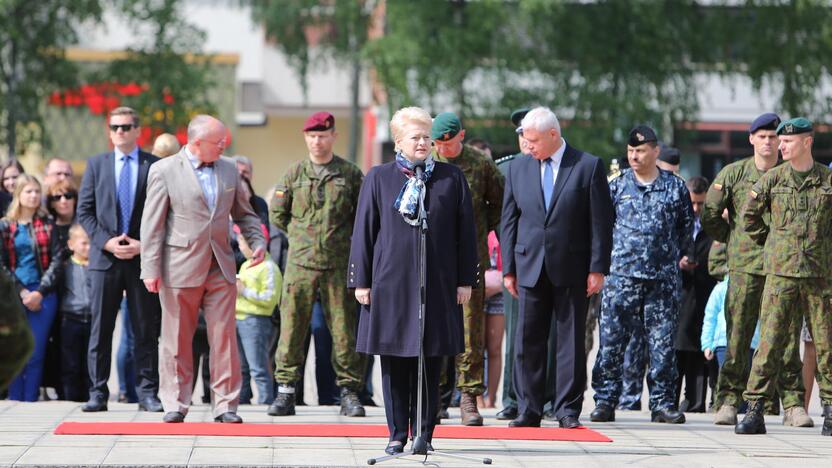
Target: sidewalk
column 26, row 439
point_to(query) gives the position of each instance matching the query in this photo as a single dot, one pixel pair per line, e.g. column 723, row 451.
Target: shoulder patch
column 717, row 187
column 754, row 194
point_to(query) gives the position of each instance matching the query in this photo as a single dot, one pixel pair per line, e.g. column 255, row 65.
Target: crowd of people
column 536, row 248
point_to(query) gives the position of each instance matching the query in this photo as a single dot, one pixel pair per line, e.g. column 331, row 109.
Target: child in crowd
column 714, row 340
column 258, row 292
column 76, row 317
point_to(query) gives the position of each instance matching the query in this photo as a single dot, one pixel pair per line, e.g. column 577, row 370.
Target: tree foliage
column 33, row 35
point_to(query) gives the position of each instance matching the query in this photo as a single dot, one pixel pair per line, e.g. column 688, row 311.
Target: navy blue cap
column 767, row 121
column 669, row 155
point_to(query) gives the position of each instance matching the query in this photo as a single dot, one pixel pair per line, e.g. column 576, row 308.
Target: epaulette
column 505, row 159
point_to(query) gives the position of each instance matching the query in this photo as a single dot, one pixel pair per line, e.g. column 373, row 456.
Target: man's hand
column 709, row 354
column 362, row 295
column 240, row 286
column 686, row 265
column 594, row 283
column 510, row 282
column 463, row 294
column 152, row 285
column 33, row 301
column 257, row 257
column 123, row 247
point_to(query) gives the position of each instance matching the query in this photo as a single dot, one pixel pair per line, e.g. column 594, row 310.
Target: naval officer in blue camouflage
column 652, row 238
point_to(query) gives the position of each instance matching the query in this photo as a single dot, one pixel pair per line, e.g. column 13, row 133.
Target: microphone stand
column 420, row 446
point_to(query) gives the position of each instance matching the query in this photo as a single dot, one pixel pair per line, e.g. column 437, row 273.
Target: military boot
column 796, row 416
column 351, row 404
column 468, row 410
column 284, row 402
column 753, row 422
column 827, row 421
column 726, row 416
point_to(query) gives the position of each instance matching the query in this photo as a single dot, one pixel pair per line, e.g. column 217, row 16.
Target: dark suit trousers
column 108, row 288
column 399, row 384
column 539, row 305
column 691, row 366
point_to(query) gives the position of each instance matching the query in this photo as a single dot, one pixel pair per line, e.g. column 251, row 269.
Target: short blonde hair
column 165, row 145
column 406, row 116
column 76, row 230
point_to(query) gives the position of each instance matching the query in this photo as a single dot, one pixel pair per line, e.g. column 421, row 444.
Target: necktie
column 205, row 164
column 548, row 182
column 125, row 195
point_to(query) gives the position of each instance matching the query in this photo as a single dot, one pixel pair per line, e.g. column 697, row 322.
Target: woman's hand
column 32, row 301
column 463, row 294
column 362, row 295
column 709, row 354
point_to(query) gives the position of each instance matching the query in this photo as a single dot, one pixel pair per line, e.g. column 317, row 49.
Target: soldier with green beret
column 729, row 191
column 16, row 341
column 486, row 184
column 315, row 205
column 789, row 211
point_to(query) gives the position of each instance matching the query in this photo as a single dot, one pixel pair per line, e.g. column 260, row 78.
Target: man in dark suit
column 556, row 241
column 110, row 206
column 696, row 288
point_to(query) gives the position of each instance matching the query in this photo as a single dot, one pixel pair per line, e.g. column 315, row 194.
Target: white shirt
column 205, row 175
column 556, row 159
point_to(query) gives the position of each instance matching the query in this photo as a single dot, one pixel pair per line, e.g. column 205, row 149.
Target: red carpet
column 323, row 430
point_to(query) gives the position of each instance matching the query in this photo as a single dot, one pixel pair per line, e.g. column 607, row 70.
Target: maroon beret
column 319, row 121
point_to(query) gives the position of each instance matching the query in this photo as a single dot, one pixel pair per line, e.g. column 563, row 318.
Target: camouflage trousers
column 635, row 367
column 742, row 310
column 628, row 304
column 470, row 363
column 301, row 288
column 786, row 301
column 16, row 340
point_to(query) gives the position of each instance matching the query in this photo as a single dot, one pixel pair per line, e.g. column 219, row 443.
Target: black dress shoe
column 94, row 405
column 173, row 417
column 507, row 414
column 569, row 422
column 550, row 415
column 394, row 447
column 667, row 415
column 602, row 413
column 525, row 420
column 228, row 417
column 151, row 404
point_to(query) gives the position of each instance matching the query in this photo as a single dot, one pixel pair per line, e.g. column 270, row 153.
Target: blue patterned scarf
column 407, row 203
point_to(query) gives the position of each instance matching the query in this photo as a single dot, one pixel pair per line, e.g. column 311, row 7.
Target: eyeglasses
column 123, row 127
column 219, row 144
column 68, row 196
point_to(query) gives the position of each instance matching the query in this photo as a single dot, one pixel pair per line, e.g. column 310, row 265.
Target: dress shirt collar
column 557, row 157
column 134, row 154
column 195, row 162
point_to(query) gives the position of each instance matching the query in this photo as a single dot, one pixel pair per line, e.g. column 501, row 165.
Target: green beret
column 445, row 126
column 794, row 126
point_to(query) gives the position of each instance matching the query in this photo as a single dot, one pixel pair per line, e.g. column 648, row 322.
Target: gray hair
column 240, row 159
column 201, row 125
column 541, row 119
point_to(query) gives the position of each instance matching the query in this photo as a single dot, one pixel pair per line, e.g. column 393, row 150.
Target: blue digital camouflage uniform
column 653, row 231
column 635, row 366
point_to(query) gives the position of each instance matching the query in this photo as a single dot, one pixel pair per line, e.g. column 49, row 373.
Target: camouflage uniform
column 635, row 366
column 798, row 264
column 317, row 211
column 742, row 303
column 486, row 184
column 16, row 341
column 653, row 230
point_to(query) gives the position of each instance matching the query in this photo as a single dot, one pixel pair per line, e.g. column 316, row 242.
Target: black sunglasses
column 123, row 127
column 68, row 196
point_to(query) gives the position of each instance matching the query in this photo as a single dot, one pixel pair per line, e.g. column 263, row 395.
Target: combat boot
column 726, row 416
column 351, row 404
column 827, row 421
column 796, row 416
column 468, row 410
column 284, row 402
column 753, row 422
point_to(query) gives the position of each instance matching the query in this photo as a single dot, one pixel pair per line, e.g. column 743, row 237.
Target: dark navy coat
column 384, row 257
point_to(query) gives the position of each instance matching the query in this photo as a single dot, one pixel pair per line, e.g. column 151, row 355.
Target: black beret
column 669, row 155
column 517, row 116
column 640, row 135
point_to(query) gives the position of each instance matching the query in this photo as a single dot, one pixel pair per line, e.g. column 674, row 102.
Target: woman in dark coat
column 384, row 270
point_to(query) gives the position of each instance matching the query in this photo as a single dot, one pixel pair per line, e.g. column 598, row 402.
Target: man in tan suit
column 187, row 259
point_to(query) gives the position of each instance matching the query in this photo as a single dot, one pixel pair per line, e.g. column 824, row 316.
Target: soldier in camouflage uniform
column 16, row 341
column 652, row 236
column 797, row 196
column 486, row 183
column 315, row 204
column 745, row 264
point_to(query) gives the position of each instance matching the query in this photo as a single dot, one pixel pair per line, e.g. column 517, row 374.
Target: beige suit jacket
column 180, row 234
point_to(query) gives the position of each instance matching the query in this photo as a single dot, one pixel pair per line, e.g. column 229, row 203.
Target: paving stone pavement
column 26, row 439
